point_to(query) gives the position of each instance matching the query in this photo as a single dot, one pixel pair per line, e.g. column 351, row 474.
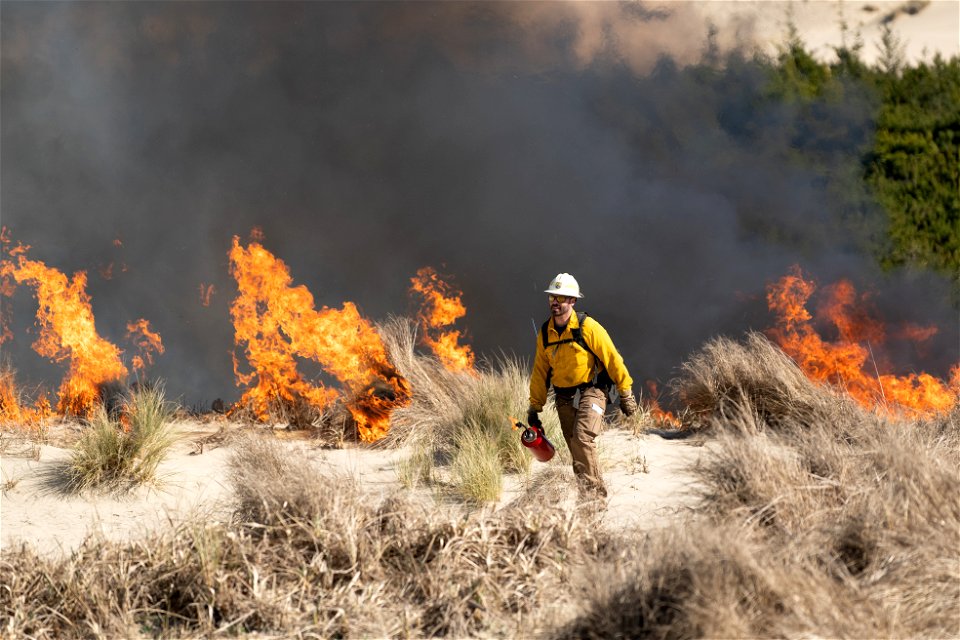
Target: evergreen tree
column 914, row 167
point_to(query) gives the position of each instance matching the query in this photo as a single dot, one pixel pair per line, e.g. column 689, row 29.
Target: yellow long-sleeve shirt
column 569, row 364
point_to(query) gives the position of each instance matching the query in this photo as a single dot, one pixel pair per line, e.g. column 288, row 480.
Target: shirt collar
column 572, row 323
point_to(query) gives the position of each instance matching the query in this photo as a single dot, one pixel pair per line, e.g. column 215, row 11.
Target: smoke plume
column 500, row 143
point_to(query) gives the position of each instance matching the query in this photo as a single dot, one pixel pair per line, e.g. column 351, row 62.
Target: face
column 560, row 306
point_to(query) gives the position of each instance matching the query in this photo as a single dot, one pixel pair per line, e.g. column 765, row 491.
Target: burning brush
column 662, row 417
column 843, row 362
column 275, row 323
column 67, row 332
column 13, row 411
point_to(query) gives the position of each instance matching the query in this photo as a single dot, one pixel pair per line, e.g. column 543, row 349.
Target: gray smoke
column 500, row 143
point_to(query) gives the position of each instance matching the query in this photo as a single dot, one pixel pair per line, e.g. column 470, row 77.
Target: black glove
column 533, row 419
column 628, row 404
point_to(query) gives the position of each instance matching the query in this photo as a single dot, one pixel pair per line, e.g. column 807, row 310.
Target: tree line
column 909, row 164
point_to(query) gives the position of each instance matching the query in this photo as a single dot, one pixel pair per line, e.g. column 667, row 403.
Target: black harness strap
column 602, row 379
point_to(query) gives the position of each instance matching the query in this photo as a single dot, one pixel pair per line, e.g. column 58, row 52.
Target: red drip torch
column 535, row 439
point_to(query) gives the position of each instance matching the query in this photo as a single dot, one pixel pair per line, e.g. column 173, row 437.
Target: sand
column 924, row 27
column 647, row 479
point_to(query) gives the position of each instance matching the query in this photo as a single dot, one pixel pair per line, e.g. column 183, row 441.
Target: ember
column 206, row 292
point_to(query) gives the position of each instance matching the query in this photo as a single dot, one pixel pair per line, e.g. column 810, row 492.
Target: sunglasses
column 560, row 299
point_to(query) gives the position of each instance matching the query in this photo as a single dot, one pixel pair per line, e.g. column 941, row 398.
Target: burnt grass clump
column 815, row 519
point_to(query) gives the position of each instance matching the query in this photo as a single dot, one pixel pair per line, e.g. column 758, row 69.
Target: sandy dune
column 646, row 477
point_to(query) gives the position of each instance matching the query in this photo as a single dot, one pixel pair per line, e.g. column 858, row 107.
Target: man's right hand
column 533, row 418
column 628, row 404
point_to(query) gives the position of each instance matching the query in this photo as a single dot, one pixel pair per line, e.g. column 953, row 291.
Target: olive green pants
column 581, row 424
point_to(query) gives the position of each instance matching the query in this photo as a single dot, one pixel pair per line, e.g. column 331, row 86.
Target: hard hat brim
column 563, row 292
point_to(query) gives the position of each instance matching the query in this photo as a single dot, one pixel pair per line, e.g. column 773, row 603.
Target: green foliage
column 905, row 157
column 110, row 457
column 891, row 52
column 914, row 167
column 798, row 75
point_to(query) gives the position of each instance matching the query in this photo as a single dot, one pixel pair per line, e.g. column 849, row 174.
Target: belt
column 572, row 390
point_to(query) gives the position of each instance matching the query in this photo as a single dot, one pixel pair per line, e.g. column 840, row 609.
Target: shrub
column 112, row 456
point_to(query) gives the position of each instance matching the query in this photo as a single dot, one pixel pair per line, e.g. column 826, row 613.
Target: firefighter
column 575, row 354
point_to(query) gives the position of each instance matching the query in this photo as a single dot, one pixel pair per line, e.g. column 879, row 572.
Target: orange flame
column 12, row 413
column 441, row 308
column 67, row 332
column 843, row 362
column 276, row 322
column 148, row 342
column 665, row 418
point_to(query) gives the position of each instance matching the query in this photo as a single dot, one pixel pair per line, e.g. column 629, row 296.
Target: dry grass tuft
column 458, row 423
column 702, row 581
column 729, row 379
column 417, row 469
column 110, row 456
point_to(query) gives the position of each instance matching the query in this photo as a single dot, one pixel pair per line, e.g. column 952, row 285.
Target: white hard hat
column 564, row 284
